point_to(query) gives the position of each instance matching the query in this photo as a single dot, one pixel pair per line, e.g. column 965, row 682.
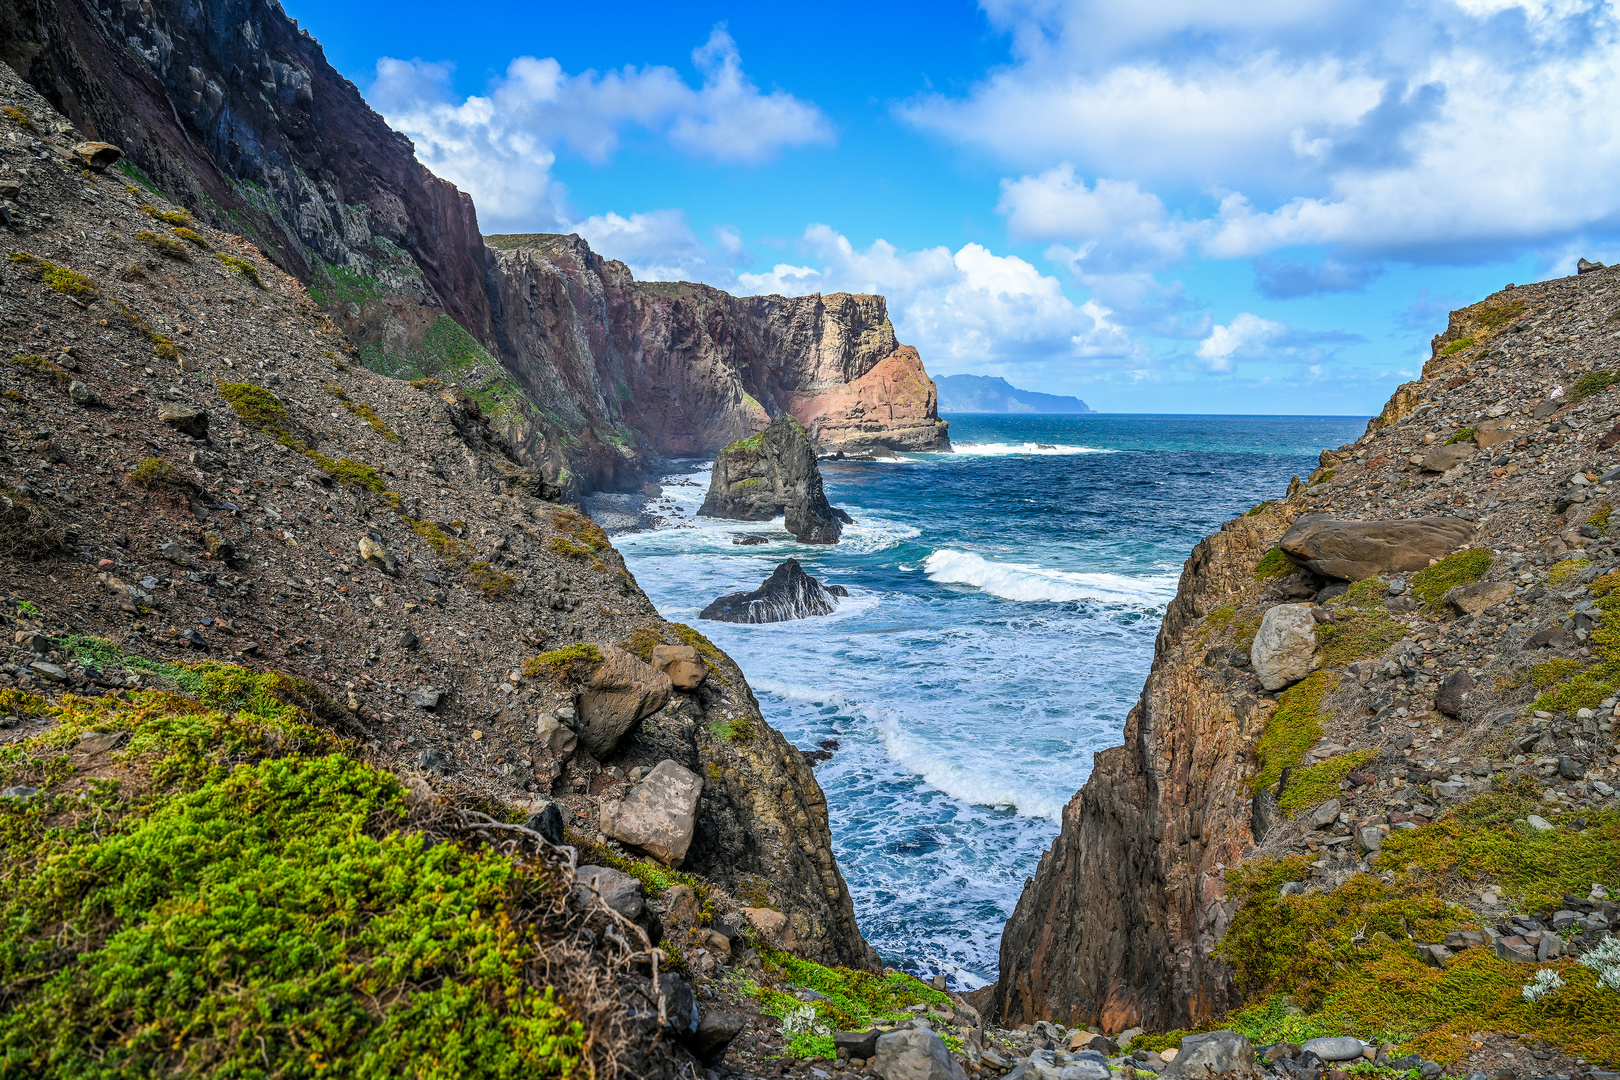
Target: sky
column 1173, row 206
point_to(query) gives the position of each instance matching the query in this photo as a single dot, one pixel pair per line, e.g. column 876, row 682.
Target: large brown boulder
column 1353, row 550
column 660, row 813
column 619, row 691
column 1449, row 456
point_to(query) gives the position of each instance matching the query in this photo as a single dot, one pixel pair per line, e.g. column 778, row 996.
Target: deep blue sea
column 1003, row 604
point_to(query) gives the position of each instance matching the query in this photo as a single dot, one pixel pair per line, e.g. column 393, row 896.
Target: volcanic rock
column 773, row 473
column 1284, row 650
column 789, row 593
column 659, row 814
column 619, row 692
column 1354, row 550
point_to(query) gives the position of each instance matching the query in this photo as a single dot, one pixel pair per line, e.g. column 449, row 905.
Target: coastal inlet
column 1003, row 602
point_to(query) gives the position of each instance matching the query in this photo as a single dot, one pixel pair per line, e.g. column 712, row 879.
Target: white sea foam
column 1033, row 584
column 1010, row 449
column 966, row 780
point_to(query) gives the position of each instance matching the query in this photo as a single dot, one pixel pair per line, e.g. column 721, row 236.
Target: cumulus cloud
column 660, row 245
column 964, row 310
column 1441, row 131
column 1250, row 337
column 501, row 146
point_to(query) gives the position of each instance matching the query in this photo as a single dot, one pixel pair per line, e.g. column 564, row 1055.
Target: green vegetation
column 163, row 245
column 1273, row 564
column 162, row 345
column 565, row 664
column 60, row 278
column 1294, row 728
column 28, row 609
column 1562, row 570
column 1600, row 520
column 739, row 730
column 641, row 643
column 1493, row 316
column 1462, row 568
column 442, row 542
column 343, row 285
column 19, row 115
column 1592, row 383
column 1585, row 689
column 363, row 411
column 1258, row 507
column 1551, row 671
column 488, row 580
column 191, row 237
column 655, row 877
column 849, row 1000
column 155, row 474
column 258, row 408
column 243, row 268
column 1216, row 622
column 181, row 218
column 39, row 365
column 241, row 898
column 565, row 547
column 1361, row 625
column 1457, row 346
column 1313, row 785
column 1465, row 435
column 254, row 405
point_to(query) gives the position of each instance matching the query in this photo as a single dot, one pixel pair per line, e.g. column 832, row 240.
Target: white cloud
column 501, row 146
column 660, row 245
column 1437, row 130
column 1245, row 337
column 965, row 311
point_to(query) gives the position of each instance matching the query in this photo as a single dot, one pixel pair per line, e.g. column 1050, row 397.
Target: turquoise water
column 1003, row 605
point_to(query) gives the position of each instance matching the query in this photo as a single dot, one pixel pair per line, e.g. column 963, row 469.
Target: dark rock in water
column 773, row 473
column 789, row 593
column 836, row 590
column 750, row 540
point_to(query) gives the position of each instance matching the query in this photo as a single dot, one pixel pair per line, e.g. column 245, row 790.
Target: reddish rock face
column 893, row 406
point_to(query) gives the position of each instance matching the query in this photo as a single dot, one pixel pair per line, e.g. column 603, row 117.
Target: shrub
column 179, row 217
column 163, row 245
column 243, row 268
column 641, row 643
column 1462, row 568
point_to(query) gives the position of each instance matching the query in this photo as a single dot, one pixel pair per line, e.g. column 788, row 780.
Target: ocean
column 1002, row 610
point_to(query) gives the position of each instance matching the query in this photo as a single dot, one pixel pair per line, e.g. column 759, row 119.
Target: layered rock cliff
column 232, row 111
column 1437, row 634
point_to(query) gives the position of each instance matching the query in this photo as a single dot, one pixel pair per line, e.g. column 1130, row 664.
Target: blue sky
column 1159, row 207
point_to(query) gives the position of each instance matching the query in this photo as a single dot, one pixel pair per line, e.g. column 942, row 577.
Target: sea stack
column 789, row 593
column 774, row 472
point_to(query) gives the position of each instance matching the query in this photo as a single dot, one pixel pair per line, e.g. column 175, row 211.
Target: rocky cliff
column 1431, row 609
column 232, row 111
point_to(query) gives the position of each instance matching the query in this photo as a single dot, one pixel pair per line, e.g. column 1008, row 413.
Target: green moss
column 1457, row 346
column 1258, row 507
column 853, row 1000
column 1216, row 622
column 565, row 547
column 1273, row 564
column 1493, row 316
column 1294, row 728
column 1367, row 594
column 1316, row 784
column 243, row 268
column 191, row 237
column 1591, row 383
column 163, row 244
column 452, row 549
column 1600, row 520
column 1465, row 435
column 162, row 344
column 1356, row 633
column 155, row 474
column 567, row 663
column 1548, row 672
column 254, row 405
column 243, row 900
column 1562, row 570
column 19, row 115
column 363, row 411
column 585, row 531
column 59, row 278
column 39, row 365
column 739, row 730
column 488, row 580
column 180, row 218
column 1462, row 568
column 641, row 643
column 655, row 877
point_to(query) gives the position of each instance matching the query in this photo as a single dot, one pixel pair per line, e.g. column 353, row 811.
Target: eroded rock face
column 659, row 814
column 618, row 693
column 789, row 593
column 773, row 473
column 1354, row 550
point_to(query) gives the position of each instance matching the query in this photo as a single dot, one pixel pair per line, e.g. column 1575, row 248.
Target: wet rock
column 659, row 814
column 773, row 473
column 682, row 664
column 1356, row 550
column 750, row 540
column 914, row 1054
column 186, row 419
column 1284, row 650
column 789, row 593
column 619, row 692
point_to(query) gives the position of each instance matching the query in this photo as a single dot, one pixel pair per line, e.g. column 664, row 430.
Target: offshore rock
column 774, row 472
column 1355, row 550
column 789, row 593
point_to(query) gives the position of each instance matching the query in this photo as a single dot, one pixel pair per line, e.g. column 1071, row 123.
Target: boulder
column 682, row 664
column 618, row 890
column 789, row 593
column 914, row 1054
column 715, row 1032
column 1494, row 433
column 1051, row 1065
column 774, row 472
column 1585, row 266
column 1453, row 693
column 772, row 925
column 859, row 1044
column 1449, row 456
column 619, row 691
column 1478, row 597
column 1214, row 1053
column 547, row 820
column 97, row 155
column 1355, row 550
column 186, row 419
column 1284, row 650
column 659, row 814
column 1340, row 1048
column 680, row 1005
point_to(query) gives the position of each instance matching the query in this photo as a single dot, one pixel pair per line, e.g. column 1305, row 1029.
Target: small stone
column 1370, row 837
column 176, row 554
column 99, row 742
column 477, row 735
column 1284, row 649
column 659, row 814
column 1454, row 693
column 682, row 664
column 47, row 671
column 376, row 555
column 1342, row 1048
column 432, row 759
column 548, row 822
column 427, row 698
column 556, row 737
column 80, row 394
column 18, row 791
column 35, row 642
column 1570, row 769
column 1325, row 815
